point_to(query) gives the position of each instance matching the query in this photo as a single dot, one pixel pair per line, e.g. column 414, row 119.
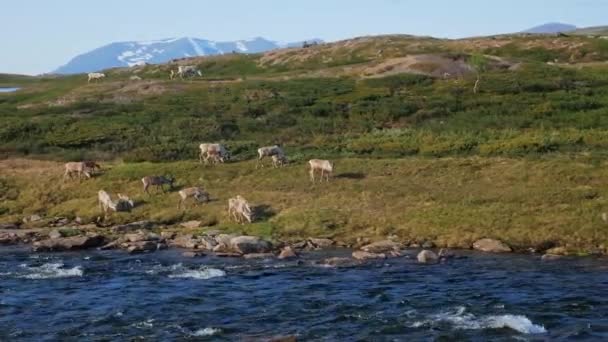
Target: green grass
column 451, row 201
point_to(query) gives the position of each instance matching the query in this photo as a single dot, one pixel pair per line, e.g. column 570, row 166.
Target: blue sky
column 37, row 35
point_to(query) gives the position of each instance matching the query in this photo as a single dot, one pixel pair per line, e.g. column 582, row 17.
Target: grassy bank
column 451, row 201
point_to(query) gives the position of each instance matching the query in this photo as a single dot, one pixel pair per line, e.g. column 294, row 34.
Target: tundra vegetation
column 423, row 154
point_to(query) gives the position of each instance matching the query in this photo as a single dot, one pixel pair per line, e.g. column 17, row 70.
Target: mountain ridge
column 132, row 53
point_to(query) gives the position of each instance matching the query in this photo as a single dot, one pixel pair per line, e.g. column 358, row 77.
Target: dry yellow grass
column 451, row 201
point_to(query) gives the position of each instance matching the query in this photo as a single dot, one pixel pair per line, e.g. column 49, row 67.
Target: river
column 110, row 295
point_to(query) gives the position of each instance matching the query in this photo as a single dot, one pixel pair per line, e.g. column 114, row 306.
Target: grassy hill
column 542, row 104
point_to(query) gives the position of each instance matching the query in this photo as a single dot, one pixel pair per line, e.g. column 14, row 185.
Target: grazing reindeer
column 124, row 203
column 279, row 160
column 239, row 208
column 197, row 193
column 157, row 181
column 215, row 152
column 325, row 166
column 95, row 76
column 269, row 151
column 76, row 167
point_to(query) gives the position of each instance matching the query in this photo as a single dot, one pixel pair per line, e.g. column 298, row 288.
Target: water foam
column 51, row 271
column 180, row 271
column 203, row 273
column 460, row 319
column 206, row 332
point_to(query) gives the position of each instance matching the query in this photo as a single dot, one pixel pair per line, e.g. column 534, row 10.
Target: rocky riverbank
column 148, row 236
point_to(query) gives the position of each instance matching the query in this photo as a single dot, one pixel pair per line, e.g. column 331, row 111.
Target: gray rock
column 427, row 257
column 287, row 253
column 249, row 244
column 207, row 242
column 185, row 241
column 9, row 226
column 191, row 224
column 69, row 243
column 55, row 234
column 258, row 256
column 142, row 246
column 363, row 255
column 320, row 243
column 133, row 226
column 491, row 246
column 224, row 239
column 8, row 238
column 384, row 246
column 167, row 235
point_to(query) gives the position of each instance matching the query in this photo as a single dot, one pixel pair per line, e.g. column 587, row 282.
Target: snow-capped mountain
column 123, row 54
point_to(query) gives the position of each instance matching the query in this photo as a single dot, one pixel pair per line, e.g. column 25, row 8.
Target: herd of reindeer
column 238, row 207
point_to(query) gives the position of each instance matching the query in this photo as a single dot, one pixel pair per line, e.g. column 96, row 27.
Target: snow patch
column 241, row 46
column 199, row 51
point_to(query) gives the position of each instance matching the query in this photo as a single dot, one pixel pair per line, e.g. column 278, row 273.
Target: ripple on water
column 460, row 319
column 50, row 271
column 181, row 271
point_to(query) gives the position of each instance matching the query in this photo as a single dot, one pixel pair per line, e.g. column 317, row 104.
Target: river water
column 110, row 295
column 8, row 90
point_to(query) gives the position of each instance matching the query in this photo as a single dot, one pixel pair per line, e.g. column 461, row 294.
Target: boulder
column 167, row 235
column 249, row 244
column 258, row 256
column 287, row 253
column 320, row 243
column 300, row 245
column 111, row 245
column 55, row 234
column 427, row 257
column 141, row 236
column 207, row 243
column 383, row 246
column 363, row 255
column 491, row 246
column 224, row 239
column 191, row 224
column 185, row 241
column 69, row 243
column 557, row 251
column 142, row 246
column 8, row 238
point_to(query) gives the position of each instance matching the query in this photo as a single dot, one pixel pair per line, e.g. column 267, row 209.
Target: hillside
column 381, row 107
column 390, row 95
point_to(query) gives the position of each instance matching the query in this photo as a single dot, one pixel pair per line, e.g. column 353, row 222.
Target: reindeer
column 76, row 167
column 325, row 166
column 196, row 193
column 157, row 181
column 239, row 208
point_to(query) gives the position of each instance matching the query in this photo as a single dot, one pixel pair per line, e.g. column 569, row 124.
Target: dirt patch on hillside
column 432, row 65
